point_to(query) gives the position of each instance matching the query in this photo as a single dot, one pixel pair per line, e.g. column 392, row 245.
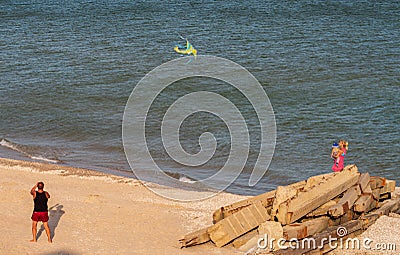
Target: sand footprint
column 94, row 198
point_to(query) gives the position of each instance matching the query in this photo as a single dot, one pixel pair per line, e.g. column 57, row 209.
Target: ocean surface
column 331, row 70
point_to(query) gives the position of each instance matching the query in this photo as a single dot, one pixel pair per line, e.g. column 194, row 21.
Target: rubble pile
column 317, row 207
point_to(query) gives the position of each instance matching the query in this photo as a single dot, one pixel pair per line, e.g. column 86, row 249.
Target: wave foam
column 32, row 152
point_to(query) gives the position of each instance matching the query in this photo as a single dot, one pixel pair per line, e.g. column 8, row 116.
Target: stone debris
column 317, row 208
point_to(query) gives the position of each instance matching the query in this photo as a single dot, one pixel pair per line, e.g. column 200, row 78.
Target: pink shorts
column 40, row 216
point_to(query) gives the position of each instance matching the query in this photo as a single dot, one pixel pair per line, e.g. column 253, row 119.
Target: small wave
column 33, row 152
column 46, row 159
column 186, row 179
column 181, row 177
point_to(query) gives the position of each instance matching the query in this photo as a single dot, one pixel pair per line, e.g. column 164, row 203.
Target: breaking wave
column 32, row 151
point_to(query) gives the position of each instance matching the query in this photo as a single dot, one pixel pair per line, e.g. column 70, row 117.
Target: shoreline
column 61, row 169
column 97, row 213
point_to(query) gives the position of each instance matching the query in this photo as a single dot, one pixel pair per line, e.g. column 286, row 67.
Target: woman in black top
column 40, row 213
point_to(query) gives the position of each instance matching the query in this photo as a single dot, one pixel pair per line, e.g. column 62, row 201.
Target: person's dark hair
column 40, row 185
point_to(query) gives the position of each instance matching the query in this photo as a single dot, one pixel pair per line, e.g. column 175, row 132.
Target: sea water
column 330, row 69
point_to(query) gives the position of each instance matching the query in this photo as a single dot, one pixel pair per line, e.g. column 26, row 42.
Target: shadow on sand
column 60, row 252
column 55, row 214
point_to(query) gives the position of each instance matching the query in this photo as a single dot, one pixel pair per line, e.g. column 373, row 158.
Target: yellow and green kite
column 187, row 50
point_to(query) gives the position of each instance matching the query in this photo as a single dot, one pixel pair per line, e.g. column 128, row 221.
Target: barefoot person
column 40, row 213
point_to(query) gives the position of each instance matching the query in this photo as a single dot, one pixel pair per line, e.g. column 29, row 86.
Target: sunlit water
column 330, row 68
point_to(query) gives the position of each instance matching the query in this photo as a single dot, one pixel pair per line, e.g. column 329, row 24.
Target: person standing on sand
column 40, row 210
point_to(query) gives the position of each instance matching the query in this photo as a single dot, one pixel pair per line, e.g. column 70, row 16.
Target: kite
column 188, row 49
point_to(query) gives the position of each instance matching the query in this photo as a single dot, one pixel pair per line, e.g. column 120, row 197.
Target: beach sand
column 95, row 213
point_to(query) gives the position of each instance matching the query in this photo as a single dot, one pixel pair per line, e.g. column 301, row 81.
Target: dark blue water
column 330, row 68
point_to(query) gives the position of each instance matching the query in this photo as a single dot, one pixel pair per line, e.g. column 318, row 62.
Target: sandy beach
column 95, row 213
